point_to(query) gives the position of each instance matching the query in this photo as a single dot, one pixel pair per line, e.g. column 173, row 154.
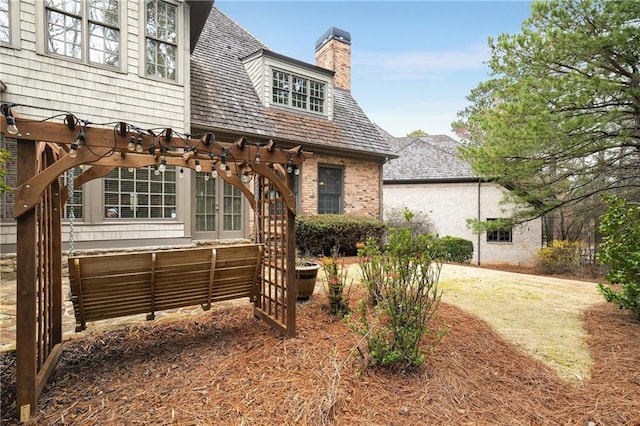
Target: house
column 241, row 88
column 430, row 179
column 186, row 66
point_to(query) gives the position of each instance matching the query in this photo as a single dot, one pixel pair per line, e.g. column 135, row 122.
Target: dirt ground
column 225, row 367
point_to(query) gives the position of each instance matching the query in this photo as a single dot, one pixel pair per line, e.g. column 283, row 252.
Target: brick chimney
column 333, row 52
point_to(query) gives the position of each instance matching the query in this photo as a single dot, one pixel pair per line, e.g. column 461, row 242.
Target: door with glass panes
column 219, row 209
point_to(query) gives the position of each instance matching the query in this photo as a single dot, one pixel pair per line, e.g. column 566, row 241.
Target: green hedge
column 457, row 249
column 318, row 234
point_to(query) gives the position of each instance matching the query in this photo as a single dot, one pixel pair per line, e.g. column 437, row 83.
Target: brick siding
column 361, row 186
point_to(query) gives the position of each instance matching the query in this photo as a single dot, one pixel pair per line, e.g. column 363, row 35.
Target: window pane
column 104, row 45
column 105, row 11
column 139, row 194
column 5, row 30
column 161, row 59
column 232, row 216
column 316, row 99
column 162, row 39
column 501, row 234
column 205, row 203
column 68, row 6
column 151, row 56
column 329, row 190
column 68, row 22
column 152, row 20
column 281, row 88
column 299, row 92
column 166, row 22
column 65, row 34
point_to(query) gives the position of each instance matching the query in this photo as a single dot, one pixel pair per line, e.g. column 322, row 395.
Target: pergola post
column 26, row 350
column 291, row 274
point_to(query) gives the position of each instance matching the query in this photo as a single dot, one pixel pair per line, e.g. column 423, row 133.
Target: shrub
column 419, row 223
column 335, row 277
column 407, row 281
column 371, row 268
column 457, row 249
column 620, row 251
column 318, row 234
column 560, row 257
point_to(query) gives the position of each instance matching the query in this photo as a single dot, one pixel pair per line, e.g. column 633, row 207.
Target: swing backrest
column 114, row 285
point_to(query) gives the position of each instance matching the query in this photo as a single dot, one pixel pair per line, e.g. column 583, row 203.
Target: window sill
column 297, row 111
column 162, row 80
column 119, row 70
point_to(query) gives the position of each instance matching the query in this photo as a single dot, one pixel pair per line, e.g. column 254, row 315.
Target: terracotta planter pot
column 306, row 276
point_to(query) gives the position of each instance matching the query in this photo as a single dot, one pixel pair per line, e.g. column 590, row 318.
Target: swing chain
column 70, row 200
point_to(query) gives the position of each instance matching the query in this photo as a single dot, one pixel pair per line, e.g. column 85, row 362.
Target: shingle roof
column 425, row 158
column 223, row 97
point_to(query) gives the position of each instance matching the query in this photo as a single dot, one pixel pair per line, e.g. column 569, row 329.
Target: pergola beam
column 108, row 147
column 100, row 139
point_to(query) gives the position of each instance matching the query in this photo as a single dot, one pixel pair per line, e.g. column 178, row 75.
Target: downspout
column 381, row 191
column 479, row 218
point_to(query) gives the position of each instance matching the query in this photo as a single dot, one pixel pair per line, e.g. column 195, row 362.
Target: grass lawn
column 541, row 314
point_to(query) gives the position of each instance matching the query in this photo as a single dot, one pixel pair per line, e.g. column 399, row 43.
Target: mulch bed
column 226, row 367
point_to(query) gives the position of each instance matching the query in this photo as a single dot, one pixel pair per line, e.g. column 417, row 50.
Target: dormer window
column 298, row 92
column 288, row 84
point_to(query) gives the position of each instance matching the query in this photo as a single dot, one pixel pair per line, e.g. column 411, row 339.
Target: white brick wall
column 449, row 205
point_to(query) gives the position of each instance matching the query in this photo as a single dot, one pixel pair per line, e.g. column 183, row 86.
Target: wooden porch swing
column 108, row 286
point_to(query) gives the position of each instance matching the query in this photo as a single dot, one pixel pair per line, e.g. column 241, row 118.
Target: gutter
column 432, row 180
column 316, row 148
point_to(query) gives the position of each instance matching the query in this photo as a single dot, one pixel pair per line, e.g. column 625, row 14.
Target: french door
column 219, row 209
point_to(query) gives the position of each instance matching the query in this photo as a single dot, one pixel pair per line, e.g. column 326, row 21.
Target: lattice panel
column 39, row 304
column 273, row 224
column 48, row 264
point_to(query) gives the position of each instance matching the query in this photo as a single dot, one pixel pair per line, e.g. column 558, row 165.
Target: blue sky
column 413, row 62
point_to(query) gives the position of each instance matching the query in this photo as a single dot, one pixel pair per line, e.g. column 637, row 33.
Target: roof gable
column 425, row 158
column 223, row 98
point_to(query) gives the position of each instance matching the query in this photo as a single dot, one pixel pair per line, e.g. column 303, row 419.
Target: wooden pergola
column 46, row 150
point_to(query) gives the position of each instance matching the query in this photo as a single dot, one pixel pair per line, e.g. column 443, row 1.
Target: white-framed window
column 501, row 232
column 86, row 30
column 298, row 92
column 140, row 194
column 161, row 39
column 10, row 23
column 330, row 189
column 5, row 21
